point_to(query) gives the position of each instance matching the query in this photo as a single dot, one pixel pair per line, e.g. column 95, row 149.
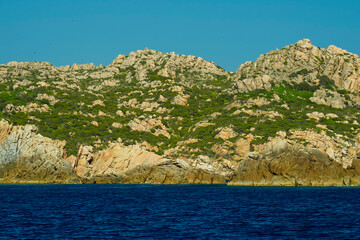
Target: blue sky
column 225, row 32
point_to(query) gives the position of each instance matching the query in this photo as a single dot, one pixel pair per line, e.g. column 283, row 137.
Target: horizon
column 227, row 33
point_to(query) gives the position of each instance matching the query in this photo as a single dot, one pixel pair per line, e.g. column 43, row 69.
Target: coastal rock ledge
column 28, row 157
column 134, row 165
column 284, row 164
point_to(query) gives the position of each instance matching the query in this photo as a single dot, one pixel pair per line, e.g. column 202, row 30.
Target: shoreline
column 188, row 184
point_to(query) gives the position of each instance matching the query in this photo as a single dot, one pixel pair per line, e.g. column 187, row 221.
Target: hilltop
column 174, row 115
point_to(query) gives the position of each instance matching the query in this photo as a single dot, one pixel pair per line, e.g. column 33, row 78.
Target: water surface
column 177, row 212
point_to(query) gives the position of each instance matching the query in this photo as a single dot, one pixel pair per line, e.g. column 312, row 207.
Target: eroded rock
column 28, row 157
column 282, row 164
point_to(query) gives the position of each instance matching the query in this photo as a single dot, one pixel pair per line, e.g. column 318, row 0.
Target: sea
column 178, row 212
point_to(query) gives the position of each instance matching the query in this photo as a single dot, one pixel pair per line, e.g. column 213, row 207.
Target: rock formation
column 168, row 65
column 290, row 118
column 28, row 157
column 301, row 62
column 133, row 164
column 282, row 164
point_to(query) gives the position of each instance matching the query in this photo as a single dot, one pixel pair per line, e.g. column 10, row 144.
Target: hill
column 185, row 111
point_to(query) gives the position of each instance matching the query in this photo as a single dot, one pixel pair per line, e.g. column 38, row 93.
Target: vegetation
column 83, row 110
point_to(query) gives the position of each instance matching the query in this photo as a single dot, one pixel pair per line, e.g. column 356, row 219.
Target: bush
column 326, row 82
column 302, row 72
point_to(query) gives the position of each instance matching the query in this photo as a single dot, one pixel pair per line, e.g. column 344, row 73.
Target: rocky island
column 289, row 119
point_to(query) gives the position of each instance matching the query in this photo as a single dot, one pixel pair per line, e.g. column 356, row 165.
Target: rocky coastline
column 289, row 119
column 29, row 158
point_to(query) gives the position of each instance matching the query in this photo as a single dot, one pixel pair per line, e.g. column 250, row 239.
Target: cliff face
column 153, row 117
column 27, row 157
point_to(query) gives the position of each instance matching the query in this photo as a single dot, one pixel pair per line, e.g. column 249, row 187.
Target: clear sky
column 226, row 32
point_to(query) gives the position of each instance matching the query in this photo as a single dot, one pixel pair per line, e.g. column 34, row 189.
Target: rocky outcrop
column 282, row 164
column 329, row 98
column 301, row 62
column 225, row 133
column 167, row 64
column 28, row 157
column 31, row 107
column 345, row 152
column 180, row 100
column 251, row 84
column 171, row 172
column 149, row 124
column 112, row 162
column 342, row 151
column 52, row 100
column 133, row 164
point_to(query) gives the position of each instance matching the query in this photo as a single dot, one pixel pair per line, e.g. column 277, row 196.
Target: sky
column 227, row 32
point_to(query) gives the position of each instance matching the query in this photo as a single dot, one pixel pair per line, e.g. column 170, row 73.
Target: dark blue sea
column 177, row 212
